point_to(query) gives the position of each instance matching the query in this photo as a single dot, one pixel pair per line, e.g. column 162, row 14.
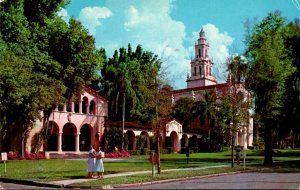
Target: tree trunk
column 44, row 132
column 268, row 161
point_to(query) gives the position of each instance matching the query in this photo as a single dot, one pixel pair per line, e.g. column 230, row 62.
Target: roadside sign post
column 244, row 155
column 4, row 158
column 153, row 164
column 187, row 153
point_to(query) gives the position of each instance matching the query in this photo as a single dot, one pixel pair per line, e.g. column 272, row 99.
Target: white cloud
column 91, row 17
column 133, row 18
column 151, row 25
column 218, row 49
column 63, row 13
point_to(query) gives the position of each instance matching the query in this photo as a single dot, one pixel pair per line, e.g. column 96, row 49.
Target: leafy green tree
column 291, row 110
column 165, row 102
column 60, row 59
column 269, row 68
column 128, row 76
column 114, row 138
column 206, row 110
column 183, row 111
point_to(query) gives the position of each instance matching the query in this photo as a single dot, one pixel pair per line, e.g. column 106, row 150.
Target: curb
column 28, row 182
column 45, row 184
column 89, row 186
column 180, row 179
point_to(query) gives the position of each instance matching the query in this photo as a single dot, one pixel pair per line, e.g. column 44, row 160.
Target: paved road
column 234, row 181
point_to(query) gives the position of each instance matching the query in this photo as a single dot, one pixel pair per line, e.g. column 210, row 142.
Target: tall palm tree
column 206, row 109
column 237, row 72
column 123, row 87
column 237, row 68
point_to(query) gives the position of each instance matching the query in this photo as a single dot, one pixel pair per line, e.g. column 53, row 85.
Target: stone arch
column 52, row 141
column 184, row 141
column 92, row 107
column 60, row 107
column 131, row 140
column 85, row 138
column 76, row 101
column 200, row 70
column 147, row 143
column 68, row 137
column 85, row 102
column 174, row 140
column 193, row 142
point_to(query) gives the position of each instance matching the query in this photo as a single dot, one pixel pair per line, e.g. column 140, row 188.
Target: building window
column 84, row 104
column 195, row 71
column 200, row 71
column 92, row 108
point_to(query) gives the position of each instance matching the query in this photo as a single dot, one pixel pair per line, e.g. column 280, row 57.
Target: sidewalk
column 68, row 183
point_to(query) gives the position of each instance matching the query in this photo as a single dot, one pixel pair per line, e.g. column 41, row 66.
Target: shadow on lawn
column 285, row 167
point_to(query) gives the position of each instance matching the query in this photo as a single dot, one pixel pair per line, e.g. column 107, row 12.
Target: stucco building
column 76, row 129
column 202, row 80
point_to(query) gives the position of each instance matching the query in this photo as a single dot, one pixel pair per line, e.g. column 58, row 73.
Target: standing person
column 91, row 162
column 99, row 167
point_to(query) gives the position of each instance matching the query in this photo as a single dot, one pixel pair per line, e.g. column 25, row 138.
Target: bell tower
column 201, row 65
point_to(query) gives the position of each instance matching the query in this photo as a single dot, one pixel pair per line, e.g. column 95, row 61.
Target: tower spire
column 201, row 65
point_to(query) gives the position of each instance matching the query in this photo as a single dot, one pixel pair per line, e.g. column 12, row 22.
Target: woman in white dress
column 99, row 167
column 91, row 162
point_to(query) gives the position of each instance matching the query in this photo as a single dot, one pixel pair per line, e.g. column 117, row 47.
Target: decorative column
column 80, row 105
column 236, row 139
column 65, row 108
column 134, row 143
column 59, row 144
column 87, row 108
column 250, row 132
column 77, row 142
column 72, row 107
column 245, row 138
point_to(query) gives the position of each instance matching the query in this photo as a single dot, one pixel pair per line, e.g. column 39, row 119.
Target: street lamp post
column 232, row 148
column 123, row 121
column 157, row 128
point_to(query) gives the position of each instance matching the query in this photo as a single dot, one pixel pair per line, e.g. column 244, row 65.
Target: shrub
column 164, row 151
column 122, row 153
column 13, row 156
column 27, row 156
column 30, row 156
column 134, row 152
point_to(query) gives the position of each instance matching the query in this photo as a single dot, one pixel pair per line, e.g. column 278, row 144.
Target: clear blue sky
column 169, row 28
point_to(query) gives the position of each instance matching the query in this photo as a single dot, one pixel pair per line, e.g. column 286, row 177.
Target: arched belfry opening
column 85, row 103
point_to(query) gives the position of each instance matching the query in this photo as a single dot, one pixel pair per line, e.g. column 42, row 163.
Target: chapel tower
column 201, row 65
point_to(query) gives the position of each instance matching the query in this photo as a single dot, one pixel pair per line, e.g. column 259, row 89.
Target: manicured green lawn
column 164, row 175
column 58, row 169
